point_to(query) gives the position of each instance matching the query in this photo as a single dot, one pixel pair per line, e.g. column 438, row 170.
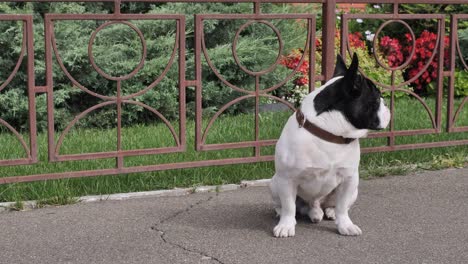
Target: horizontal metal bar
column 459, row 129
column 402, row 1
column 461, row 16
column 182, row 1
column 255, row 16
column 416, row 146
column 14, row 17
column 261, row 1
column 393, row 16
column 41, row 89
column 403, row 133
column 319, row 78
column 204, row 163
column 112, row 16
column 244, row 144
column 264, row 1
column 191, row 83
column 448, row 73
column 13, row 162
column 158, row 167
column 114, row 154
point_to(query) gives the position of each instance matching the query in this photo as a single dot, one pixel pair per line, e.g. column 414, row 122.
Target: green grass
column 409, row 115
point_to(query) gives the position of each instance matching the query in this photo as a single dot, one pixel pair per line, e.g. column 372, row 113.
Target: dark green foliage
column 463, row 40
column 117, row 51
column 13, row 98
column 419, row 25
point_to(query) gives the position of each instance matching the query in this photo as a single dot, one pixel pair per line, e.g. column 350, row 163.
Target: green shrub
column 116, row 51
column 461, row 83
column 463, row 41
column 298, row 89
column 375, row 72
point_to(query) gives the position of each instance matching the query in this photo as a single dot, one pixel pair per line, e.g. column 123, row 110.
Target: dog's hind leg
column 310, row 209
column 315, row 213
column 330, row 213
column 275, row 196
column 328, row 204
column 286, row 192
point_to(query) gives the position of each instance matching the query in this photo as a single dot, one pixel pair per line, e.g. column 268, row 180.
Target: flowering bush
column 301, row 81
column 398, row 51
column 356, row 40
column 292, row 62
column 392, row 48
column 357, row 43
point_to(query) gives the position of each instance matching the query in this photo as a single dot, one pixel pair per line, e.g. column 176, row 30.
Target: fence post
column 328, row 38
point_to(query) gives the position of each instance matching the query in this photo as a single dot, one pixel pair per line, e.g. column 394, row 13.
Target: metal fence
column 178, row 56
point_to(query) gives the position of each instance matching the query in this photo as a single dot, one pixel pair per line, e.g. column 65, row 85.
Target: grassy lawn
column 409, row 115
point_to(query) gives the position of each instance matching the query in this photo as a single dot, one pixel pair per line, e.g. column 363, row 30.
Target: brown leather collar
column 317, row 131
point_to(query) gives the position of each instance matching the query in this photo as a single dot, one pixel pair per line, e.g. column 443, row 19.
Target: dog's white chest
column 314, row 183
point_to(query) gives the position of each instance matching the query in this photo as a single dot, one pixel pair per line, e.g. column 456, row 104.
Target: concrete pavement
column 420, row 218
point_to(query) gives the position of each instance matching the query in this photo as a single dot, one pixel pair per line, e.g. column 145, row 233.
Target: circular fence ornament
column 99, row 70
column 278, row 57
column 413, row 48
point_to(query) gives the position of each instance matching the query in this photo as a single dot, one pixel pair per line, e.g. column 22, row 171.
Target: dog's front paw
column 285, row 229
column 349, row 229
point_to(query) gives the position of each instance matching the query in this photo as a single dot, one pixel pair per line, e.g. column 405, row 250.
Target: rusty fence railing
column 327, row 8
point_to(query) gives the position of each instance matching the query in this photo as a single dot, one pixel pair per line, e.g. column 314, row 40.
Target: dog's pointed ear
column 340, row 66
column 352, row 82
column 326, row 98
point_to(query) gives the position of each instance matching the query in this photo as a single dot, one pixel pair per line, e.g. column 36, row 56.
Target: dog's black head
column 355, row 96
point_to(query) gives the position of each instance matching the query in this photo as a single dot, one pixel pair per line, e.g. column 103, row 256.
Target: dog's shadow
column 325, row 225
column 257, row 217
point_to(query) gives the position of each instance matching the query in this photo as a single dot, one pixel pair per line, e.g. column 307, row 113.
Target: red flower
column 292, row 61
column 356, row 40
column 425, row 47
column 301, row 81
column 318, row 44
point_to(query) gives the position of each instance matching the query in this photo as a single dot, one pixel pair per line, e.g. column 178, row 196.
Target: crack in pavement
column 162, row 233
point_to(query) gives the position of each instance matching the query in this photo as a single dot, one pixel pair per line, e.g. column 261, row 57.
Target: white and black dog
column 317, row 155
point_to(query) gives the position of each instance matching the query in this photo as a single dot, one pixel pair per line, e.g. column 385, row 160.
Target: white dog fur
column 323, row 174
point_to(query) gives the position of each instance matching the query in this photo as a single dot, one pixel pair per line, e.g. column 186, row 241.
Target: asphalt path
column 418, row 218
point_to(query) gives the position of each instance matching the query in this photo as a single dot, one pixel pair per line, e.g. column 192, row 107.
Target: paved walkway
column 420, row 218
